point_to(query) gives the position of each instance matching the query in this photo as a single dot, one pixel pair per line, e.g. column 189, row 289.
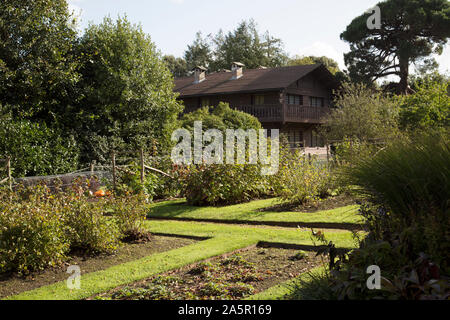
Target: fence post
column 142, row 166
column 92, row 167
column 8, row 168
column 328, row 152
column 114, row 169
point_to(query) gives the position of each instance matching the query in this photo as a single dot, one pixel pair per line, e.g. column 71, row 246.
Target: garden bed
column 11, row 284
column 230, row 277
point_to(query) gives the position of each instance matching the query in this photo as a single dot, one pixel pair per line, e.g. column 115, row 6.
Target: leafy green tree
column 129, row 99
column 38, row 71
column 246, row 45
column 360, row 114
column 428, row 108
column 411, row 30
column 331, row 64
column 177, row 66
column 199, row 53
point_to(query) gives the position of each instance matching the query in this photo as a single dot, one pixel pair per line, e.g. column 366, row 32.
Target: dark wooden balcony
column 287, row 113
column 280, row 113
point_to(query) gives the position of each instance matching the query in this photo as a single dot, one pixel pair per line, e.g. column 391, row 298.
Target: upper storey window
column 317, row 102
column 295, row 99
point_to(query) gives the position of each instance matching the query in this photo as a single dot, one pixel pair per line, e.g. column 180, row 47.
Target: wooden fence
column 114, row 168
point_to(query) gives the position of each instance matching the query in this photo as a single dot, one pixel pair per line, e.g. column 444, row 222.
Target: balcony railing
column 266, row 113
column 274, row 113
column 304, row 114
column 292, row 113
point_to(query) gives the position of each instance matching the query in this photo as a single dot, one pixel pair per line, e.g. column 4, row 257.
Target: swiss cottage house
column 292, row 99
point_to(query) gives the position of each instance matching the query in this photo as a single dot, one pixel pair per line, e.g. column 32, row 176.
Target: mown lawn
column 252, row 212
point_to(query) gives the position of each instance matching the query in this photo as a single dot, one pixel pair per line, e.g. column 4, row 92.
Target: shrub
column 221, row 184
column 88, row 229
column 300, row 179
column 130, row 212
column 31, row 234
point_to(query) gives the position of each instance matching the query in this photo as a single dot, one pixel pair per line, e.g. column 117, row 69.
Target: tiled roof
column 252, row 80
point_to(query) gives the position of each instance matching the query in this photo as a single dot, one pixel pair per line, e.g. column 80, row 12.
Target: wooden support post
column 93, row 167
column 8, row 168
column 114, row 169
column 142, row 166
column 328, row 153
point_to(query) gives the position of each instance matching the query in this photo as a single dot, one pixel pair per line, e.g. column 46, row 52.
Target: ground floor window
column 295, row 138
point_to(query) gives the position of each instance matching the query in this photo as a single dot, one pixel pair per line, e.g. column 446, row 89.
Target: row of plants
column 40, row 227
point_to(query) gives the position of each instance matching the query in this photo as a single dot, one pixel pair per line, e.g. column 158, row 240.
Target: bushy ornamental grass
column 411, row 180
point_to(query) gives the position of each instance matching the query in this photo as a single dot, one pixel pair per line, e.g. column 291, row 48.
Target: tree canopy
column 331, row 64
column 244, row 44
column 128, row 90
column 38, row 69
column 411, row 30
column 178, row 66
column 360, row 114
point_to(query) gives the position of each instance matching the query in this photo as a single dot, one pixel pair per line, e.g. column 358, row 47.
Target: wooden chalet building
column 292, row 99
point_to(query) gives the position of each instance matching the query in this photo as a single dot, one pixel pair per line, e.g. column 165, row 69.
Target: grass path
column 222, row 239
column 178, row 209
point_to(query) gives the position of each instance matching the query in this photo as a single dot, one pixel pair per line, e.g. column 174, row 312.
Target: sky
column 307, row 27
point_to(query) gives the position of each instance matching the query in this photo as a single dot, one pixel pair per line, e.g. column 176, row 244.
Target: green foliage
column 411, row 30
column 221, row 117
column 360, row 114
column 331, row 64
column 410, row 179
column 87, row 228
column 300, row 179
column 130, row 213
column 428, row 107
column 221, row 184
column 32, row 236
column 198, row 53
column 38, row 69
column 244, row 44
column 128, row 91
column 36, row 149
column 39, row 227
column 178, row 66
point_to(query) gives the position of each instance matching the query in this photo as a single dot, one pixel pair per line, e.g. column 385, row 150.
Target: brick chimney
column 199, row 74
column 237, row 69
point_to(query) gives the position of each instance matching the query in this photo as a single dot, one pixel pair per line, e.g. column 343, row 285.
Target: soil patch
column 229, row 277
column 11, row 284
